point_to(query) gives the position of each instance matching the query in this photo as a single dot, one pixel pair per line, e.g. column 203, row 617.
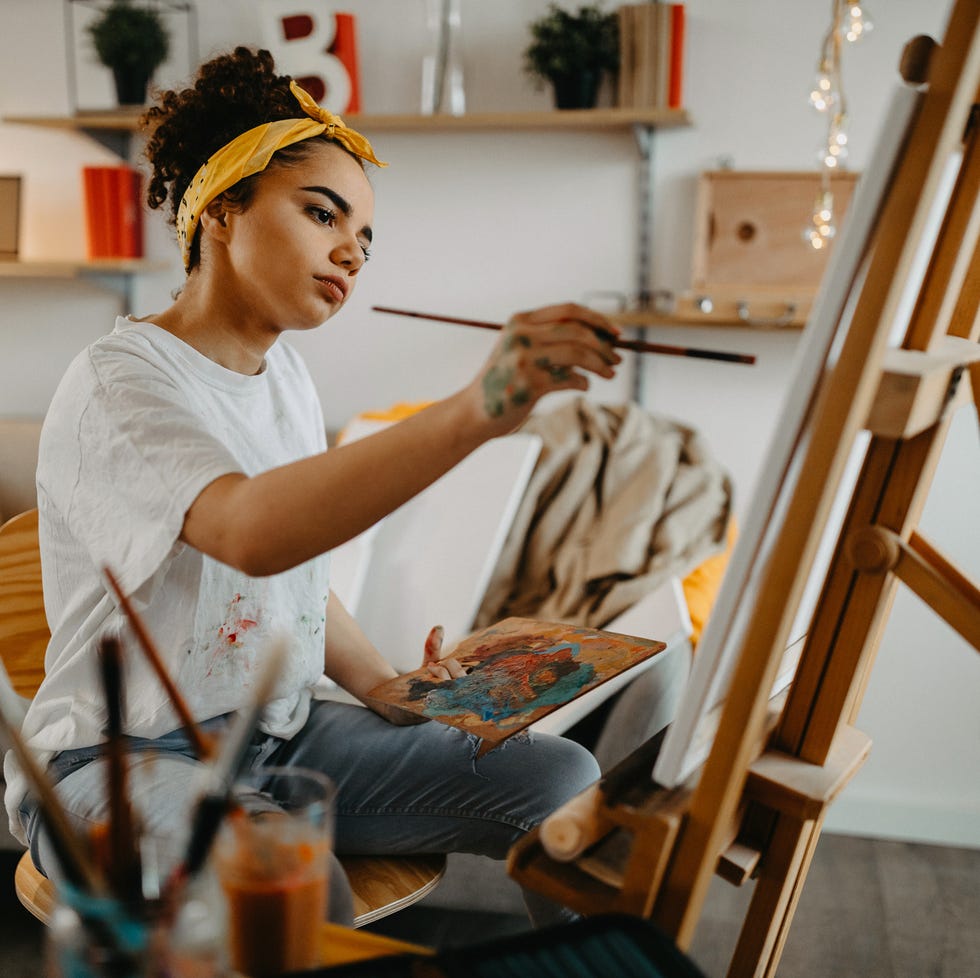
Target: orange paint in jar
column 274, row 927
column 272, row 863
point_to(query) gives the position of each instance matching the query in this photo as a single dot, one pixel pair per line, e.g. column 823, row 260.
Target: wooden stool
column 381, row 884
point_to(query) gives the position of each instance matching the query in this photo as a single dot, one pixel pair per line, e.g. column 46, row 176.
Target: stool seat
column 381, row 884
column 34, row 890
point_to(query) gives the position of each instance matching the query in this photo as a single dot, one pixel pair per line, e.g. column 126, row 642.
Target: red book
column 675, row 91
column 95, row 243
column 99, row 208
column 111, row 212
column 128, row 211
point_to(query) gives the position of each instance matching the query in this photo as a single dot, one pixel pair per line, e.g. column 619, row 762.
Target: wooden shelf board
column 117, row 120
column 68, row 268
column 567, row 119
column 765, row 308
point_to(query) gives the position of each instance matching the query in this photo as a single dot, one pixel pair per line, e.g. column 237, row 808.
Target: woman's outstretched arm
column 278, row 519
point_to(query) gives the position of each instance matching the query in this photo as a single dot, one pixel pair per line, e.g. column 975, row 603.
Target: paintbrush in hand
column 202, row 746
column 637, row 346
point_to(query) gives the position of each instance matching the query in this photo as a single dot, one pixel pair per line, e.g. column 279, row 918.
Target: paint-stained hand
column 440, row 668
column 547, row 349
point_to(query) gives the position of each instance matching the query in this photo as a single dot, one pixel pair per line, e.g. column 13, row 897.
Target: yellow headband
column 251, row 152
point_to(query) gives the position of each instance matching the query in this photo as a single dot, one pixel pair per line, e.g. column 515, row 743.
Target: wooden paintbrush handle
column 202, row 746
column 637, row 346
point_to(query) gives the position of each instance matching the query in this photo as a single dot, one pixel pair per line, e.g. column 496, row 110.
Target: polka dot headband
column 251, row 152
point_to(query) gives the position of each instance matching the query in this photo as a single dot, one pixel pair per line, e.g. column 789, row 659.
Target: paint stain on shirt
column 235, row 625
column 230, row 636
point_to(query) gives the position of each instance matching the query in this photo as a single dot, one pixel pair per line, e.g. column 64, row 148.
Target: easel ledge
column 620, row 879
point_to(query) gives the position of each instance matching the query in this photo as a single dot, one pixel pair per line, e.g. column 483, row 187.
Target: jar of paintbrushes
column 129, row 904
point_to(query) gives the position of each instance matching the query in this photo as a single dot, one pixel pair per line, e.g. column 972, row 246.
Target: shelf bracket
column 644, row 144
column 117, row 141
column 643, row 135
column 120, row 284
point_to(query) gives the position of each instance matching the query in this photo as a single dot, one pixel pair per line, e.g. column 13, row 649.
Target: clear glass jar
column 99, row 937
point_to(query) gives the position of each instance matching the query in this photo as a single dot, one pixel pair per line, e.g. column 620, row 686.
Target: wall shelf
column 750, row 309
column 69, row 268
column 113, row 120
column 564, row 120
column 113, row 274
column 127, row 120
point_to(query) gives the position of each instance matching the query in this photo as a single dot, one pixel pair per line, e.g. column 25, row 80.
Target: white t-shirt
column 139, row 425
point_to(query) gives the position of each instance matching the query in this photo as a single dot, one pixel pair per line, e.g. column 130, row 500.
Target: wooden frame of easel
column 757, row 805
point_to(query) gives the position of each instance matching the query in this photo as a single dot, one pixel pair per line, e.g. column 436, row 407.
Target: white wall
column 486, row 223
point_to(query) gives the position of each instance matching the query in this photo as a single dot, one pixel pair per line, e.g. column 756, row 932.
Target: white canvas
column 429, row 562
column 685, row 747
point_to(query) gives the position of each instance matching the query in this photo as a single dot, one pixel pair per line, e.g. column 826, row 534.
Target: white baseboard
column 933, row 824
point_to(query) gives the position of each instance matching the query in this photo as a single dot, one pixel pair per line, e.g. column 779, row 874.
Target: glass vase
column 442, row 66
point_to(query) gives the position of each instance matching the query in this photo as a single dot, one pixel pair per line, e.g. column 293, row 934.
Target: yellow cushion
column 702, row 584
column 379, row 418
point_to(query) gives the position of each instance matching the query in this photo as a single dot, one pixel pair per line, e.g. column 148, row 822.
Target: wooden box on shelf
column 751, row 265
column 9, row 217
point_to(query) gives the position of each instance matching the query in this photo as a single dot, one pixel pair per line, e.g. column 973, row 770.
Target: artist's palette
column 517, row 671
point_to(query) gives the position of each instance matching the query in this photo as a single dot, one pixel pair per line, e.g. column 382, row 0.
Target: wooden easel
column 756, row 808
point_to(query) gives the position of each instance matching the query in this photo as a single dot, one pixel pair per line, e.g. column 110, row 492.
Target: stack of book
column 113, row 211
column 651, row 55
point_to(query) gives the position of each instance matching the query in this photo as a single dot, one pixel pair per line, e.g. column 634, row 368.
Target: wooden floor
column 870, row 909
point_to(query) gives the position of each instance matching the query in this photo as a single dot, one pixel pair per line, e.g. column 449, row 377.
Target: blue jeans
column 400, row 790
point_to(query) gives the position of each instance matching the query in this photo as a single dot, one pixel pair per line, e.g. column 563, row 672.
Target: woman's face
column 296, row 249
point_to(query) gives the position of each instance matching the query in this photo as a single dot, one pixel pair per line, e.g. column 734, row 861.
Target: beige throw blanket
column 619, row 501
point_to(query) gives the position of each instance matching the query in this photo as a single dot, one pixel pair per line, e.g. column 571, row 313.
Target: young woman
column 186, row 451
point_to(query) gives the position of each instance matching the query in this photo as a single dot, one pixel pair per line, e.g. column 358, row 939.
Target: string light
column 823, row 95
column 858, row 23
column 849, row 23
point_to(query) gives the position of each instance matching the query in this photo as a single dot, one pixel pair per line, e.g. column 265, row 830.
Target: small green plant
column 127, row 36
column 566, row 43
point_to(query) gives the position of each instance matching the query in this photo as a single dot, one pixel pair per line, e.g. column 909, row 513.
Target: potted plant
column 572, row 51
column 133, row 42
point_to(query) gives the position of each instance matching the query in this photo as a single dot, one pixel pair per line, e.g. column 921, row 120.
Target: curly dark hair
column 231, row 94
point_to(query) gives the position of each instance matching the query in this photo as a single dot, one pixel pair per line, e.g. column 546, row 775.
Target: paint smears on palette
column 518, row 671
